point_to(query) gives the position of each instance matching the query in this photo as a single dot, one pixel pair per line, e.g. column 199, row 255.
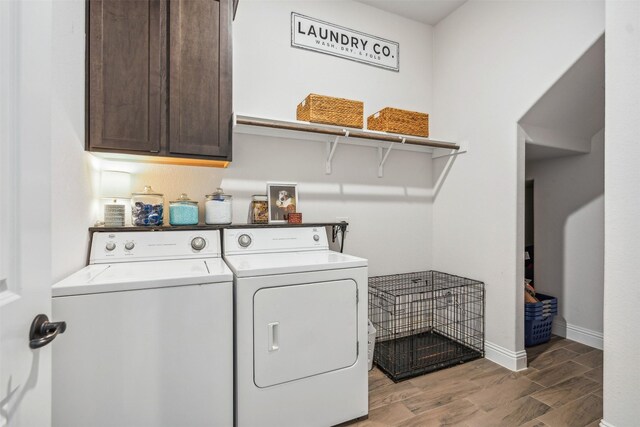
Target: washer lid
column 290, row 262
column 128, row 276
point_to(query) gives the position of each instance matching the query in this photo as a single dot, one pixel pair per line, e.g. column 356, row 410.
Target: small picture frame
column 283, row 199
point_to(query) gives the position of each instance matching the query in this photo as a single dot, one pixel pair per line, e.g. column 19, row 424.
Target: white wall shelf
column 334, row 135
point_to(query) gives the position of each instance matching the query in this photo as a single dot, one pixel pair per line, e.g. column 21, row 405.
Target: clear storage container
column 147, row 207
column 217, row 208
column 183, row 211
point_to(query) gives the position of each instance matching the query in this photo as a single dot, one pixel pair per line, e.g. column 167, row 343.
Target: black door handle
column 42, row 331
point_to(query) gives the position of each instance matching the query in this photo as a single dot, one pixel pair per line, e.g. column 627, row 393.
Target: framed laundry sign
column 324, row 37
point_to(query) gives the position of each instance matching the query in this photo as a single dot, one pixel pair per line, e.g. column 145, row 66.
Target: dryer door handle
column 274, row 336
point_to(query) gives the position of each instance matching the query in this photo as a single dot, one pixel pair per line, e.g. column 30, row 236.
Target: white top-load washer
column 301, row 328
column 149, row 339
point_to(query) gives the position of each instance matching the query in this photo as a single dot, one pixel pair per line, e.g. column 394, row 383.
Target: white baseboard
column 577, row 333
column 603, row 423
column 513, row 360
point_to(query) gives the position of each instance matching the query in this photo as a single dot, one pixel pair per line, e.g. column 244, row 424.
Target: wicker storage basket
column 399, row 121
column 332, row 111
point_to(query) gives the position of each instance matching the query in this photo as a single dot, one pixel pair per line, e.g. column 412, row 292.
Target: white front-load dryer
column 301, row 328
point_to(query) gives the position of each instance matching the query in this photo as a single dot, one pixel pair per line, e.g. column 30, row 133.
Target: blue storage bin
column 541, row 305
column 548, row 305
column 542, row 316
column 539, row 317
column 545, row 300
column 537, row 331
column 538, row 306
column 538, row 314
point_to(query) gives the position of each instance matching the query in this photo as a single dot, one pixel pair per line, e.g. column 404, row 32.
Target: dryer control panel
column 270, row 240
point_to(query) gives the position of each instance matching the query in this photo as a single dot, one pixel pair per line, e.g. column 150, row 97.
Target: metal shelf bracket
column 450, row 153
column 383, row 155
column 339, row 229
column 440, row 153
column 331, row 150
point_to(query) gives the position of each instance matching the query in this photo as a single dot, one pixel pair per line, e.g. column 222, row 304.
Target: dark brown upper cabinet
column 159, row 78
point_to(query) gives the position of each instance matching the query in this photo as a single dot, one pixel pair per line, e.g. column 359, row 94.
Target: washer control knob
column 110, row 246
column 316, row 237
column 198, row 243
column 244, row 240
column 129, row 245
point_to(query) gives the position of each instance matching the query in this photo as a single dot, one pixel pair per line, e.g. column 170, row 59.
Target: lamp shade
column 115, row 185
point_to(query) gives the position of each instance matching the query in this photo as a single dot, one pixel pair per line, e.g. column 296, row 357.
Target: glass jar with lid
column 217, row 208
column 259, row 209
column 147, row 207
column 183, row 211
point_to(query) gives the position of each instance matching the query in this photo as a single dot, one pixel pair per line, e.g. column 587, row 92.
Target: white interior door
column 25, row 226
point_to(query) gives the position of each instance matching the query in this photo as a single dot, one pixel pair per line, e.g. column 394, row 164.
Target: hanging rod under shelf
column 345, row 132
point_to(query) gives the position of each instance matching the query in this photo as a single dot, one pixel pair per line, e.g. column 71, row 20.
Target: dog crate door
column 304, row 330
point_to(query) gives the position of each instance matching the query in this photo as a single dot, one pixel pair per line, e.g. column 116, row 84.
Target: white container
column 217, row 208
column 371, row 342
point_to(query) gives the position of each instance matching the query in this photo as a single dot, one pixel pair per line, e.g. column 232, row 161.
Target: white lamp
column 114, row 185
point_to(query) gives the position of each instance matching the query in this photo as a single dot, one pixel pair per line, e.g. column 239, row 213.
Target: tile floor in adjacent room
column 561, row 387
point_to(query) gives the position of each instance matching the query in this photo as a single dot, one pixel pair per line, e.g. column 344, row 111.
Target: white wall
column 390, row 217
column 553, row 139
column 492, row 61
column 71, row 179
column 622, row 210
column 271, row 77
column 569, row 239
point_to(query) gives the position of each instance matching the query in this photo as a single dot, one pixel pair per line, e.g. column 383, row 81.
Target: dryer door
column 304, row 330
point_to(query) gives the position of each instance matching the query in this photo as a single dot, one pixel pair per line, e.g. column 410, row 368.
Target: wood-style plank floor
column 561, row 387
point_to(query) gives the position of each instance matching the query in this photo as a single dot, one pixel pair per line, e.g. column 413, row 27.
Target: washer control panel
column 154, row 245
column 198, row 243
column 244, row 240
column 268, row 240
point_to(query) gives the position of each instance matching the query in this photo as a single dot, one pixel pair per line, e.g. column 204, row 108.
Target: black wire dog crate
column 425, row 321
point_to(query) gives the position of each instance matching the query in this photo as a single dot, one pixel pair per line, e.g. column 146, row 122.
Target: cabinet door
column 200, row 77
column 124, row 74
